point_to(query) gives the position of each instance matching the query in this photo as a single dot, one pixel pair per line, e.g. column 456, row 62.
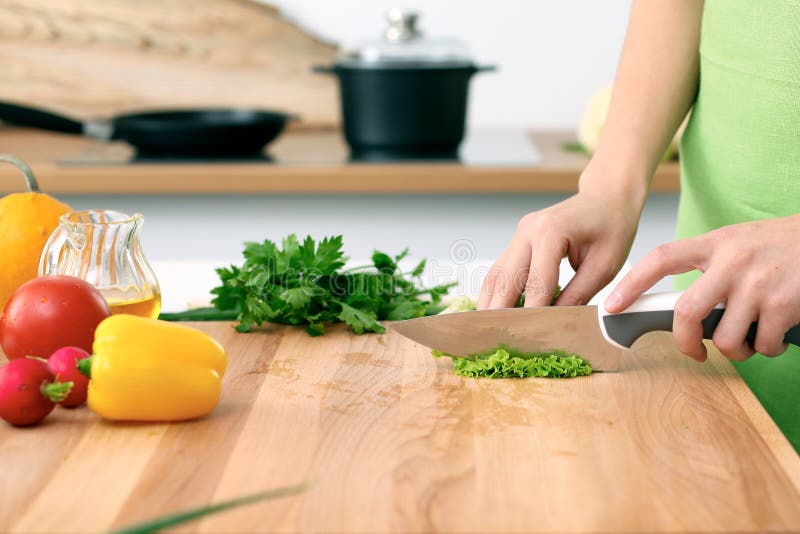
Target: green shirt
column 740, row 154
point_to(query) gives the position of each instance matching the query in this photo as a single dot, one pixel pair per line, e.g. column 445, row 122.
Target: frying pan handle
column 37, row 118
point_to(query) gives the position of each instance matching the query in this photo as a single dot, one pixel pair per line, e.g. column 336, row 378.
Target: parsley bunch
column 305, row 283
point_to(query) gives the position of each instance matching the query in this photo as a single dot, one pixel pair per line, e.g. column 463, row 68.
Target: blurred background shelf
column 304, row 162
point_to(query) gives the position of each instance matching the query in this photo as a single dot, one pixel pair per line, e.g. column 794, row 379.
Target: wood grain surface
column 392, row 440
column 94, row 59
column 308, row 162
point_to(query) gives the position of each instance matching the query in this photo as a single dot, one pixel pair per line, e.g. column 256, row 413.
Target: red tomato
column 22, row 395
column 50, row 312
column 64, row 364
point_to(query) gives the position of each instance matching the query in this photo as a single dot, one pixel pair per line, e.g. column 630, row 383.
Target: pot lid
column 404, row 44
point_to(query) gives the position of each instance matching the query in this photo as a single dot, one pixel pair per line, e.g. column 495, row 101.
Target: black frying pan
column 193, row 133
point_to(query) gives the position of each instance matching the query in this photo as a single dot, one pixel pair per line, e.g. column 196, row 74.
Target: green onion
column 156, row 525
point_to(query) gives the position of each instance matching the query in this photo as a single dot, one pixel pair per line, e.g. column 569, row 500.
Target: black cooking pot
column 403, row 111
column 404, row 97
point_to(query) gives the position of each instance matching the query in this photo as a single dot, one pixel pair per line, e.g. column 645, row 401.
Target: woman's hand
column 655, row 86
column 594, row 231
column 752, row 267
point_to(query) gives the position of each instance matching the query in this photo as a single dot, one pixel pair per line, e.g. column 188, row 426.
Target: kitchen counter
column 311, row 162
column 391, row 440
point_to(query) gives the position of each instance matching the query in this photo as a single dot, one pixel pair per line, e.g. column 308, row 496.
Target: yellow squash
column 26, row 221
column 149, row 370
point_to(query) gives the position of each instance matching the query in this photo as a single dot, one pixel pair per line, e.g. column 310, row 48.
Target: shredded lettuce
column 503, row 363
column 458, row 305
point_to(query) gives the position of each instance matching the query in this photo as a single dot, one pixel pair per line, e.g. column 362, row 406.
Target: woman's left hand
column 753, row 267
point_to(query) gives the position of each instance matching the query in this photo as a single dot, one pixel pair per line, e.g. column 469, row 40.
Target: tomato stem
column 56, row 391
column 85, row 367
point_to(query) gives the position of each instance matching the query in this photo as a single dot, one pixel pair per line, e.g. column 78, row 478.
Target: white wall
column 552, row 54
column 213, row 227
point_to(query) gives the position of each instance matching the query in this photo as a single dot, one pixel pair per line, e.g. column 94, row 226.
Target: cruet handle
column 53, row 251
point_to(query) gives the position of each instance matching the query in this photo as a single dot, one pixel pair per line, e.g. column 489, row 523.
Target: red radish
column 29, row 391
column 64, row 364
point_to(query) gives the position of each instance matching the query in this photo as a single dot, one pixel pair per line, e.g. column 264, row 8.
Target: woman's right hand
column 655, row 86
column 594, row 230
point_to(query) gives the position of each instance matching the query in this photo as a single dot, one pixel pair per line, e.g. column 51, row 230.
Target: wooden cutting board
column 393, row 441
column 90, row 59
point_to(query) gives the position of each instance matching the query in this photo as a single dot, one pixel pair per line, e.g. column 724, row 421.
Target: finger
column 542, row 279
column 772, row 328
column 691, row 308
column 729, row 337
column 489, row 285
column 496, row 280
column 506, row 286
column 670, row 258
column 591, row 276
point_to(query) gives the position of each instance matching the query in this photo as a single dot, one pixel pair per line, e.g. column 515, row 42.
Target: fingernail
column 613, row 300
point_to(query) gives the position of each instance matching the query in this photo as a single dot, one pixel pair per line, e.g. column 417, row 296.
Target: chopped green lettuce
column 505, row 363
column 468, row 304
column 458, row 305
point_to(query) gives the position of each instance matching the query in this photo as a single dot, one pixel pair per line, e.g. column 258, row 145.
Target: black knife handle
column 625, row 328
column 711, row 322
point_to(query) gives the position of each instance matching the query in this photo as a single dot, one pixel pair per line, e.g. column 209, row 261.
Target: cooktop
column 482, row 148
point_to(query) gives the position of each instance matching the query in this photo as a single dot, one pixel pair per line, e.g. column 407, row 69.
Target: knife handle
column 655, row 311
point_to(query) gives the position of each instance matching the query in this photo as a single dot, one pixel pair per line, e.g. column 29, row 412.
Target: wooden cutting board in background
column 392, row 440
column 91, row 58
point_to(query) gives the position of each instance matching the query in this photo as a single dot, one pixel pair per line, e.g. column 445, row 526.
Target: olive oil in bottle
column 147, row 305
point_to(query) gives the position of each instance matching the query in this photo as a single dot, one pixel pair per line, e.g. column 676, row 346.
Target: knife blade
column 589, row 331
column 467, row 334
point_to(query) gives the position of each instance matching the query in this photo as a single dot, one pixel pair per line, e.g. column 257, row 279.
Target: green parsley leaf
column 383, row 262
column 296, row 297
column 418, row 270
column 329, row 257
column 315, row 329
column 406, row 309
column 360, row 321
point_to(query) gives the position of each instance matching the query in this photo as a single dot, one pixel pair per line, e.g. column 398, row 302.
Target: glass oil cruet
column 103, row 248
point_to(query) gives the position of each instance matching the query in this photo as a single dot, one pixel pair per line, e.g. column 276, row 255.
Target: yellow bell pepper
column 148, row 370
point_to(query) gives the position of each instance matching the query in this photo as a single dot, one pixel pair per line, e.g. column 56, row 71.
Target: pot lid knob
column 404, row 46
column 402, row 25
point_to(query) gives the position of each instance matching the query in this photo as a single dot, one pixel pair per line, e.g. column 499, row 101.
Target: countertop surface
column 305, row 162
column 391, row 440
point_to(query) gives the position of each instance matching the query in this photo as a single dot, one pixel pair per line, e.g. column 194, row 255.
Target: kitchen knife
column 588, row 331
